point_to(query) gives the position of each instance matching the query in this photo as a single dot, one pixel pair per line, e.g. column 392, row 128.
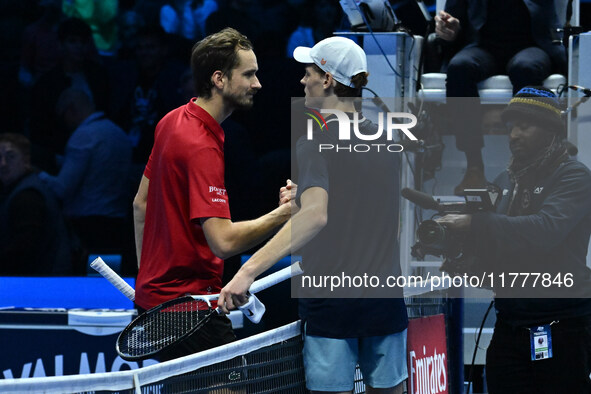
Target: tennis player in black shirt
column 346, row 229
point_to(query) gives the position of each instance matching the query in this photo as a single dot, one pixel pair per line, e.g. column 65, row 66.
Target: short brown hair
column 215, row 52
column 20, row 142
column 358, row 81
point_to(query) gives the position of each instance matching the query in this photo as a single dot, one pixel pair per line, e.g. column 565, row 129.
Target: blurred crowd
column 84, row 83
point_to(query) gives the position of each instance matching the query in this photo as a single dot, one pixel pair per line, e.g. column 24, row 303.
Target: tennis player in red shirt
column 183, row 227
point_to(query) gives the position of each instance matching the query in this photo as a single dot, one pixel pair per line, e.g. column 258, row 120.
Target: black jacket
column 551, row 236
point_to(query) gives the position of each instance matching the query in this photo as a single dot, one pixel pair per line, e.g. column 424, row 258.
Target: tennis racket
column 171, row 322
column 102, row 268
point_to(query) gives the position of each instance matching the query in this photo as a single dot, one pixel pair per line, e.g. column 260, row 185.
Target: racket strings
column 164, row 326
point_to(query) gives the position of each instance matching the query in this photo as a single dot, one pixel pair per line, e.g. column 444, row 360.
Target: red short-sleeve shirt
column 186, row 173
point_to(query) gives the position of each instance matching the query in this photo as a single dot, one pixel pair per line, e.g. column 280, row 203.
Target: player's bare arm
column 226, row 238
column 300, row 229
column 139, row 215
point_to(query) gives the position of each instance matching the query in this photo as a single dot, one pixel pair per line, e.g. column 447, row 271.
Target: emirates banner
column 427, row 356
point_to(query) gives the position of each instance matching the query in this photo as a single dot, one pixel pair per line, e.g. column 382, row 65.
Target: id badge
column 541, row 342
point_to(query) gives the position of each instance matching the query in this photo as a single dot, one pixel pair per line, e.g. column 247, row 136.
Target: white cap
column 339, row 56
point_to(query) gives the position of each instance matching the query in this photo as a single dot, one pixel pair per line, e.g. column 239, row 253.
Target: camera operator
column 542, row 224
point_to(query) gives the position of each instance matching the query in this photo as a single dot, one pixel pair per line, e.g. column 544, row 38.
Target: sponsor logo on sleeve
column 219, row 194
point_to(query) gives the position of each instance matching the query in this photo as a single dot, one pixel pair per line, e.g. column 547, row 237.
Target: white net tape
column 128, row 380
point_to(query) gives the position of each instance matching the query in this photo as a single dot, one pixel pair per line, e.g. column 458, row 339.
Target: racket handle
column 263, row 283
column 276, row 277
column 102, row 268
column 254, row 309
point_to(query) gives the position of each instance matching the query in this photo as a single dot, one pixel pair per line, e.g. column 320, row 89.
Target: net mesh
column 158, row 328
column 432, row 303
column 270, row 362
column 277, row 368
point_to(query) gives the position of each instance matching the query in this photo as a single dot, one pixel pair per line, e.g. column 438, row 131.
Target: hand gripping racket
column 171, row 322
column 253, row 309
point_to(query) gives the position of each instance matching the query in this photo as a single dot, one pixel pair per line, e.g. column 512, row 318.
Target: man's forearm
column 227, row 238
column 139, row 218
column 139, row 215
column 296, row 233
column 302, row 227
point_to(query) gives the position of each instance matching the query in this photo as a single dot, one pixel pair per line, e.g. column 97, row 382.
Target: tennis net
column 270, row 362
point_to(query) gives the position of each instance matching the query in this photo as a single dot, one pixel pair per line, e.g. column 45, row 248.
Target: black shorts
column 218, row 331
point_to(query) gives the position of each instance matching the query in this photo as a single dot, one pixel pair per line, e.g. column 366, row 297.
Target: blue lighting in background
column 62, row 292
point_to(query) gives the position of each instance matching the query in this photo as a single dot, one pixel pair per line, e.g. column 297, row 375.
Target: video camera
column 437, row 239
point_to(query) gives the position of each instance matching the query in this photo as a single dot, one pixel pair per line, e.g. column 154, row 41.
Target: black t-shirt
column 360, row 238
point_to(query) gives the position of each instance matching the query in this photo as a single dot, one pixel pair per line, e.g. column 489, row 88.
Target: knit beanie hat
column 537, row 105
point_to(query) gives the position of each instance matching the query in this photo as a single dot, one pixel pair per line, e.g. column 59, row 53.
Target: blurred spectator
column 76, row 69
column 94, row 179
column 147, row 90
column 243, row 15
column 33, row 235
column 316, row 25
column 517, row 38
column 267, row 23
column 40, row 44
column 129, row 23
column 187, row 17
column 149, row 10
column 101, row 16
column 186, row 86
column 15, row 16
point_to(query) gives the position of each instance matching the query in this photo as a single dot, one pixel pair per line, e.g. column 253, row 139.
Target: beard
column 244, row 101
column 521, row 154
